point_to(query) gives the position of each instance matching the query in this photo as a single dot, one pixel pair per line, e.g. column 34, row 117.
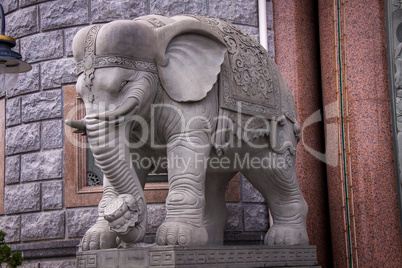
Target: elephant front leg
column 185, row 204
column 99, row 236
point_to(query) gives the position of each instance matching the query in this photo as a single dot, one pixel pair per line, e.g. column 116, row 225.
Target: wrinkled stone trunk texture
column 108, row 145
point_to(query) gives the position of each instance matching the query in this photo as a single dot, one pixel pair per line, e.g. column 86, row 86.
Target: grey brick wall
column 34, row 182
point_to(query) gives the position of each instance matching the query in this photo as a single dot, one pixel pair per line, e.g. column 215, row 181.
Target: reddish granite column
column 297, row 56
column 375, row 229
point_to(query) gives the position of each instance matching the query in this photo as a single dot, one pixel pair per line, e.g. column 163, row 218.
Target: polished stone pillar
column 364, row 213
column 297, row 56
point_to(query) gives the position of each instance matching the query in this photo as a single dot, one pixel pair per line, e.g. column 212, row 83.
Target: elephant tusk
column 130, row 104
column 77, row 124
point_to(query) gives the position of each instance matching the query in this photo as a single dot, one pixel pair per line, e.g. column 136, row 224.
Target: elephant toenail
column 171, row 239
column 93, row 245
column 160, row 241
column 182, row 240
column 279, row 240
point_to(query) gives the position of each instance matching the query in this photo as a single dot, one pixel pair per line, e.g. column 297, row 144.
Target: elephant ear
column 194, row 62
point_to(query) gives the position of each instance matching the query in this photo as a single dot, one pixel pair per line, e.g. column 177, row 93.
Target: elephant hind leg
column 278, row 184
column 215, row 208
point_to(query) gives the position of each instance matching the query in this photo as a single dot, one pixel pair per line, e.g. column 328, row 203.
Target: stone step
column 205, row 256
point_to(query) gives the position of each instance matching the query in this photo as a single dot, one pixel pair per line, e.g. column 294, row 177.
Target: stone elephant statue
column 201, row 97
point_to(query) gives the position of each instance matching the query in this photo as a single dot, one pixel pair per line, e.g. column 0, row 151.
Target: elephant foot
column 99, row 237
column 180, row 233
column 286, row 235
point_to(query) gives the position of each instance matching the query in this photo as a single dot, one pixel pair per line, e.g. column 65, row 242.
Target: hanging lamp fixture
column 11, row 63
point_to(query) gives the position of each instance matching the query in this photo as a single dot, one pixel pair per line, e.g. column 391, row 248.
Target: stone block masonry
column 23, row 22
column 22, row 198
column 78, row 221
column 12, row 169
column 34, row 207
column 42, row 105
column 42, row 46
column 11, row 226
column 41, row 165
column 26, row 83
column 44, row 225
column 22, row 138
column 59, row 14
column 13, row 110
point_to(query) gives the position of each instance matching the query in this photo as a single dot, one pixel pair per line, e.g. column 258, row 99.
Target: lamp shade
column 11, row 62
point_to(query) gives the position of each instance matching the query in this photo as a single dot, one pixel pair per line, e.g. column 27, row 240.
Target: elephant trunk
column 109, row 147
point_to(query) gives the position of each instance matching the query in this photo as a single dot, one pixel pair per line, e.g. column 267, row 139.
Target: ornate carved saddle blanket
column 250, row 82
column 253, row 93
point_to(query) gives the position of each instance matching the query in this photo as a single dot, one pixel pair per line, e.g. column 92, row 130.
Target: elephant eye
column 123, row 84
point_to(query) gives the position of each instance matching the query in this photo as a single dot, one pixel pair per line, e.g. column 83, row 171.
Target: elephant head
column 122, row 66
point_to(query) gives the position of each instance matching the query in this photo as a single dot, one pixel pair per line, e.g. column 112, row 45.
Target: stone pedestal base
column 206, row 256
